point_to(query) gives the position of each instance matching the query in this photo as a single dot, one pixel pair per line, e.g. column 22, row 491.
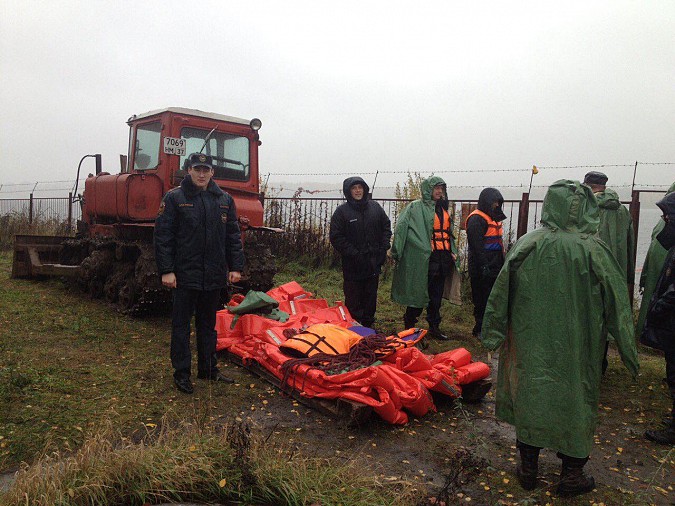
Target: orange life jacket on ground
column 440, row 238
column 494, row 240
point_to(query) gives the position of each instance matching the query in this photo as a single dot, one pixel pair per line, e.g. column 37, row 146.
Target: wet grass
column 77, row 375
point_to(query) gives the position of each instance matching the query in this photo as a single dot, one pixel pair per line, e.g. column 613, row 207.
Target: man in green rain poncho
column 651, row 270
column 616, row 229
column 425, row 253
column 558, row 293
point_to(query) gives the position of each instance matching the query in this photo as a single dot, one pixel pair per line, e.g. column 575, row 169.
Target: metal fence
column 306, row 221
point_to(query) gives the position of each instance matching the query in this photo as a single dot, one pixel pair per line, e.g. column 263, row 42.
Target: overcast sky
column 349, row 87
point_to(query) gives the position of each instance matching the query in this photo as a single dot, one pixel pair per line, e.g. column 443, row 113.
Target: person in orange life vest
column 360, row 231
column 486, row 250
column 441, row 263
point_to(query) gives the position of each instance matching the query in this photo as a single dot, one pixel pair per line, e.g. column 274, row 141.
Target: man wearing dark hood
column 360, row 231
column 659, row 329
column 651, row 270
column 484, row 235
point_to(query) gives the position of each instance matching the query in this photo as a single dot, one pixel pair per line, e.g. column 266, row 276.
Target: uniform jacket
column 411, row 251
column 197, row 236
column 360, row 231
column 558, row 293
column 481, row 261
column 659, row 329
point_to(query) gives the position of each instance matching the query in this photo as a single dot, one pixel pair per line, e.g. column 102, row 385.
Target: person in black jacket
column 486, row 250
column 659, row 329
column 198, row 250
column 360, row 231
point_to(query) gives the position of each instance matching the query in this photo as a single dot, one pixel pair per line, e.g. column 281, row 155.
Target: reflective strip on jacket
column 494, row 236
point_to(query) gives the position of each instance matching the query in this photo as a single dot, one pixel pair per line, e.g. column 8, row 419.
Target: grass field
column 87, row 400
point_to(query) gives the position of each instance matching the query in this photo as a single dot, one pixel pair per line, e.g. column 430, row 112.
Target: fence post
column 634, row 209
column 70, row 212
column 30, row 211
column 523, row 214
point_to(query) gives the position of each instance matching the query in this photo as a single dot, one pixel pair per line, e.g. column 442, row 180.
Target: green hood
column 608, row 199
column 570, row 206
column 671, row 189
column 427, row 187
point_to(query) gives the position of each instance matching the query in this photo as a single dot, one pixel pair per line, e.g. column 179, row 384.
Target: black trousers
column 361, row 299
column 435, row 286
column 480, row 292
column 203, row 304
column 670, row 376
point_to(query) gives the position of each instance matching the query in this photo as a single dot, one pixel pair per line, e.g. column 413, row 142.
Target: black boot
column 409, row 323
column 665, row 436
column 435, row 333
column 573, row 480
column 527, row 469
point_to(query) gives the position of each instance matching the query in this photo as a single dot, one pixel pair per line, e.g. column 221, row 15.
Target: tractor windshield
column 230, row 153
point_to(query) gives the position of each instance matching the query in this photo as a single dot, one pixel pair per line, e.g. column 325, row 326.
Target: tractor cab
column 160, row 142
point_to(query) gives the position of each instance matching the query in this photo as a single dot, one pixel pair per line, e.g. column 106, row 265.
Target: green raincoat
column 616, row 229
column 559, row 292
column 411, row 250
column 651, row 270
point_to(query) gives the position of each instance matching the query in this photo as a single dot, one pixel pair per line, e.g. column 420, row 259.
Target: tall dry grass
column 183, row 461
column 15, row 223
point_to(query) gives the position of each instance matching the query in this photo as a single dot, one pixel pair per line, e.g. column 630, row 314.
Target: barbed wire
column 450, row 187
column 42, row 182
column 585, row 166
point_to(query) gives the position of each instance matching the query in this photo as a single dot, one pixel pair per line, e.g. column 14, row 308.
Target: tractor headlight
column 256, row 124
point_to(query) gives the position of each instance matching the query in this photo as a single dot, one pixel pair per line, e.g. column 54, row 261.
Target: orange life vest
column 321, row 338
column 494, row 234
column 440, row 238
column 334, row 340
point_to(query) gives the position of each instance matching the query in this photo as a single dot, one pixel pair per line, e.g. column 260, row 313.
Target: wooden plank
column 353, row 413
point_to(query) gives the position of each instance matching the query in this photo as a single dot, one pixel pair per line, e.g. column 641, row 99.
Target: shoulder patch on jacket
column 162, row 206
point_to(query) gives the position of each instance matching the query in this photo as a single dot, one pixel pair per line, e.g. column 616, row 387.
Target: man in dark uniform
column 198, row 250
column 360, row 231
column 486, row 249
column 659, row 330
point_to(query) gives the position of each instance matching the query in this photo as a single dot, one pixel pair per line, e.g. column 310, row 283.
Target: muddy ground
column 464, row 455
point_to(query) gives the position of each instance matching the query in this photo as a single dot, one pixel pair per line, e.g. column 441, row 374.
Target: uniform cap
column 594, row 177
column 199, row 160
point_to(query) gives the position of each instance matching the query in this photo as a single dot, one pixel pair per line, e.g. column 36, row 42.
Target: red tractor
column 112, row 254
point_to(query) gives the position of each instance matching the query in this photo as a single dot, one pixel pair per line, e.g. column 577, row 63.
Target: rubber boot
column 435, row 333
column 410, row 323
column 527, row 469
column 573, row 480
column 665, row 436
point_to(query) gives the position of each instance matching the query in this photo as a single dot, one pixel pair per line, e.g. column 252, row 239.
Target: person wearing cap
column 559, row 289
column 360, row 231
column 425, row 255
column 659, row 327
column 484, row 237
column 198, row 251
column 615, row 229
